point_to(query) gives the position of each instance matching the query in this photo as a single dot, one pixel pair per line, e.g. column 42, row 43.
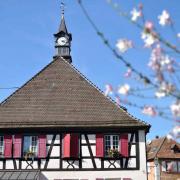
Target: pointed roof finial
column 63, row 24
column 62, row 8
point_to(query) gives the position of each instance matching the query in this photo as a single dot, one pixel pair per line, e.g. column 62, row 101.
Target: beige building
column 163, row 156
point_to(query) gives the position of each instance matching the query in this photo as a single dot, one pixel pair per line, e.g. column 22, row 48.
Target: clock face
column 62, row 41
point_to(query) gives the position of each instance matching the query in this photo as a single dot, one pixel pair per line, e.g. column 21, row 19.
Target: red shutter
column 99, row 145
column 124, row 145
column 17, row 146
column 42, row 146
column 7, row 146
column 66, row 145
column 74, row 145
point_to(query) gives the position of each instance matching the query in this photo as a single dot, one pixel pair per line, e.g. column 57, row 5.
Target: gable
column 60, row 96
column 162, row 148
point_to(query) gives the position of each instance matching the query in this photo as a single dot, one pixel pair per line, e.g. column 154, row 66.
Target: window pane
column 107, row 144
column 115, row 142
column 172, row 166
column 26, row 144
column 1, row 145
column 163, row 166
column 34, row 144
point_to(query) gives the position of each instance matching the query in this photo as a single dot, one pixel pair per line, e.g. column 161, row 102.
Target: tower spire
column 62, row 26
column 63, row 38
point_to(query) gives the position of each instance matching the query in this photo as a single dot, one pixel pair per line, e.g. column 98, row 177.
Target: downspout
column 156, row 169
column 156, row 162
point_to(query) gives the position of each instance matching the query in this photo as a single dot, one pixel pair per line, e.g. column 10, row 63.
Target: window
column 63, row 51
column 171, row 166
column 111, row 143
column 30, row 145
column 1, row 146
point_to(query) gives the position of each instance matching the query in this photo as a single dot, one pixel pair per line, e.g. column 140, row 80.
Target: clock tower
column 63, row 41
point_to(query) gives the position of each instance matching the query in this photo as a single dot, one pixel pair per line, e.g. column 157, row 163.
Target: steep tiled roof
column 59, row 96
column 162, row 148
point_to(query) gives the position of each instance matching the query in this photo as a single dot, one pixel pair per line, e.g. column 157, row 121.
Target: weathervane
column 62, row 7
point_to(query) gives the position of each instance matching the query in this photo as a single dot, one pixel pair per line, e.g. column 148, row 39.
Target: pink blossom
column 123, row 45
column 108, row 90
column 124, row 89
column 169, row 136
column 175, row 109
column 164, row 18
column 164, row 90
column 149, row 26
column 128, row 73
column 148, row 35
column 176, row 131
column 149, row 110
column 135, row 14
column 170, row 68
column 148, row 38
column 160, row 62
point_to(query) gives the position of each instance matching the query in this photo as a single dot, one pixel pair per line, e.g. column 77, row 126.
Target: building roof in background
column 163, row 148
column 60, row 96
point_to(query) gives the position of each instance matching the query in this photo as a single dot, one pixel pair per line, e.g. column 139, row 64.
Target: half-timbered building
column 59, row 125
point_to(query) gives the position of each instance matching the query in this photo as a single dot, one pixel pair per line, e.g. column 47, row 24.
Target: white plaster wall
column 92, row 139
column 55, row 151
column 1, row 164
column 53, row 163
column 117, row 164
column 98, row 162
column 129, row 136
column 17, row 164
column 75, row 164
column 133, row 150
column 85, row 150
column 92, row 175
column 43, row 163
column 9, row 164
column 142, row 153
column 24, row 165
column 87, row 163
column 49, row 139
column 132, row 163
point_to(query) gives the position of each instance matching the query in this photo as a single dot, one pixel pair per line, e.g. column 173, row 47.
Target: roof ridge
column 160, row 146
column 108, row 97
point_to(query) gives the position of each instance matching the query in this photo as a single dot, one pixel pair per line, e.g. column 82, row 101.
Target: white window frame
column 32, row 147
column 117, row 146
column 2, row 147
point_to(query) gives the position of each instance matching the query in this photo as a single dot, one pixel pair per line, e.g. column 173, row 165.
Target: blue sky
column 27, row 43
